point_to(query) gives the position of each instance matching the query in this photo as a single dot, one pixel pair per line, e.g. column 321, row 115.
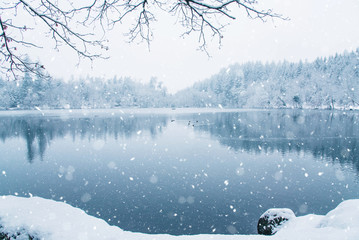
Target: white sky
column 317, row 28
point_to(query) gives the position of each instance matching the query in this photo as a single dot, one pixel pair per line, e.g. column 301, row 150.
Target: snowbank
column 47, row 219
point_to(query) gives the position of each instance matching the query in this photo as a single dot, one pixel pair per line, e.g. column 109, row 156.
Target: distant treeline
column 326, row 83
column 29, row 93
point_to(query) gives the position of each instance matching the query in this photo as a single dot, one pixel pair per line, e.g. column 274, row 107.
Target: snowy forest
column 326, row 83
column 82, row 93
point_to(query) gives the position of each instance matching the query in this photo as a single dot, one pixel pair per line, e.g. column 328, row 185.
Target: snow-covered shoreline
column 48, row 219
column 165, row 111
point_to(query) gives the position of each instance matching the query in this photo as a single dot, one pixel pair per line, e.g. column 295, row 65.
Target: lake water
column 182, row 171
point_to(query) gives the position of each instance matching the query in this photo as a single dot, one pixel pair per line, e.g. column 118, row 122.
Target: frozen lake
column 182, row 171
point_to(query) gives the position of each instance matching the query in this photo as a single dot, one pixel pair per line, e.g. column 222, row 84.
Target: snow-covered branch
column 76, row 25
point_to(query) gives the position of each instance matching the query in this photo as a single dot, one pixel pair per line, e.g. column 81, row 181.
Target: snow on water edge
column 48, row 219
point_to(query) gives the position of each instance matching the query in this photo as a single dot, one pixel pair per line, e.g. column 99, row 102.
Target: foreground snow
column 47, row 219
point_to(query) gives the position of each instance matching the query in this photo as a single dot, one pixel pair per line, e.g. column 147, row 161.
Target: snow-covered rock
column 48, row 219
column 272, row 220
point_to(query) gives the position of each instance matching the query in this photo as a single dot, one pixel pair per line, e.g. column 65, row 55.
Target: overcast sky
column 316, row 28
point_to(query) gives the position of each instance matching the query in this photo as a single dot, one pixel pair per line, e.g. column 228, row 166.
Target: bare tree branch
column 12, row 63
column 73, row 24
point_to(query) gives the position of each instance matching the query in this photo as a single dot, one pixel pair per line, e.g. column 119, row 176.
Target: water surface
column 182, row 171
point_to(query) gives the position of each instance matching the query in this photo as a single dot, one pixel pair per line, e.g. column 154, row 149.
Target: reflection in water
column 325, row 134
column 42, row 130
column 182, row 173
